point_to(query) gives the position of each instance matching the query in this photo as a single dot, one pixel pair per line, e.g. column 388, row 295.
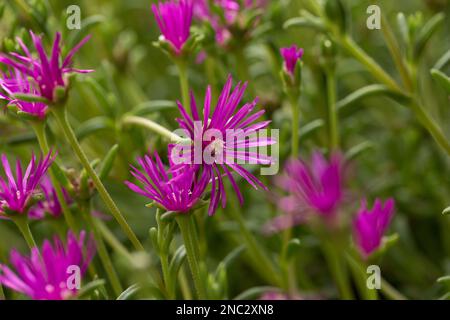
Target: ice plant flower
column 15, row 192
column 370, row 225
column 13, row 82
column 222, row 138
column 177, row 189
column 291, row 56
column 48, row 72
column 174, row 19
column 50, row 204
column 45, row 274
column 315, row 187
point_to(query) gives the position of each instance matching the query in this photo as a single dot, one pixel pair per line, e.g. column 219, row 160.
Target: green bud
column 153, row 232
column 337, row 13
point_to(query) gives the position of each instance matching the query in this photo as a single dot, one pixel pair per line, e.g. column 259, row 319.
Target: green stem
column 166, row 275
column 433, row 128
column 39, row 129
column 103, row 254
column 358, row 268
column 153, row 126
column 61, row 116
column 390, row 292
column 295, row 124
column 334, row 257
column 2, row 293
column 192, row 253
column 22, row 223
column 348, row 43
column 262, row 263
column 332, row 110
column 184, row 82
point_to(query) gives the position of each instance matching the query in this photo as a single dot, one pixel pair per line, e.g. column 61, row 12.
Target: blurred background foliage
column 400, row 159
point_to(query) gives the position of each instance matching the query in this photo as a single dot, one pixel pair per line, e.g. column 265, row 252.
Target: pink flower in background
column 291, row 56
column 174, row 20
column 13, row 82
column 15, row 192
column 50, row 205
column 370, row 225
column 226, row 149
column 45, row 273
column 47, row 72
column 176, row 189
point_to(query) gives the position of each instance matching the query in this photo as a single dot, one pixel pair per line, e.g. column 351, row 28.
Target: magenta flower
column 174, row 19
column 14, row 82
column 316, row 187
column 50, row 204
column 47, row 71
column 222, row 140
column 176, row 189
column 370, row 225
column 291, row 56
column 44, row 275
column 15, row 193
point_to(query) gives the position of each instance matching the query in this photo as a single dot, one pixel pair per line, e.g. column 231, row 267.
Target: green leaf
column 148, row 107
column 93, row 125
column 231, row 257
column 129, row 292
column 426, row 32
column 443, row 61
column 30, row 98
column 177, row 261
column 304, row 22
column 254, row 293
column 446, row 211
column 309, row 128
column 359, row 149
column 444, row 279
column 89, row 288
column 403, row 27
column 441, row 78
column 86, row 25
column 292, row 248
column 108, row 162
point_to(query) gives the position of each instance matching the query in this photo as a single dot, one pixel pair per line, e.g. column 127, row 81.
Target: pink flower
column 47, row 72
column 44, row 275
column 174, row 20
column 370, row 225
column 291, row 56
column 16, row 192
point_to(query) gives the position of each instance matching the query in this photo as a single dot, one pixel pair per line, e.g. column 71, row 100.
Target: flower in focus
column 291, row 56
column 13, row 82
column 44, row 275
column 174, row 19
column 174, row 189
column 50, row 205
column 222, row 140
column 370, row 225
column 15, row 192
column 47, row 72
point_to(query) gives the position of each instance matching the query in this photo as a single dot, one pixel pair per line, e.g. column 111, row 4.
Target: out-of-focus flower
column 315, row 188
column 13, row 82
column 176, row 189
column 44, row 275
column 15, row 192
column 222, row 140
column 223, row 15
column 370, row 225
column 279, row 295
column 291, row 56
column 46, row 71
column 174, row 20
column 50, row 204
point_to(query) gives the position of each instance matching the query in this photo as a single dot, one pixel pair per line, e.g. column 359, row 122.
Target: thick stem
column 39, row 129
column 103, row 254
column 153, row 126
column 332, row 110
column 22, row 223
column 61, row 116
column 295, row 124
column 166, row 275
column 184, row 82
column 192, row 253
column 336, row 263
column 2, row 294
